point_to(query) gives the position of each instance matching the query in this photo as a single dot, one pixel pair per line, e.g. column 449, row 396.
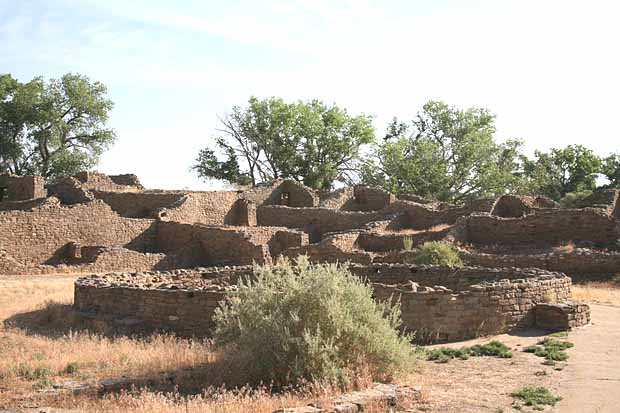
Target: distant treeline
column 443, row 153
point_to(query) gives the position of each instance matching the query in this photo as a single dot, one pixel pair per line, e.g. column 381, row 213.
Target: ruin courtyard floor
column 46, row 353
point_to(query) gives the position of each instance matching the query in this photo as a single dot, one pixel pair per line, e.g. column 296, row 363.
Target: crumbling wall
column 139, row 204
column 69, row 190
column 283, row 192
column 101, row 182
column 547, row 228
column 227, row 245
column 40, row 236
column 28, row 205
column 336, row 247
column 511, row 206
column 126, row 180
column 22, row 188
column 314, row 221
column 210, row 208
column 381, row 242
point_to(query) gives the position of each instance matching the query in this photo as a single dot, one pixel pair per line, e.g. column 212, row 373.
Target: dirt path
column 591, row 383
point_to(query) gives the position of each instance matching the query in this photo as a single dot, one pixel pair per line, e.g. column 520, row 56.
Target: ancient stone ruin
column 166, row 258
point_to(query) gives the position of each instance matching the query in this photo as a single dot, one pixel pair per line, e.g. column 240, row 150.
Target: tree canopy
column 562, row 171
column 444, row 153
column 52, row 128
column 310, row 142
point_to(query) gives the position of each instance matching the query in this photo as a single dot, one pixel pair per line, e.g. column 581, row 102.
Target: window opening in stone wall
column 3, row 193
column 285, row 198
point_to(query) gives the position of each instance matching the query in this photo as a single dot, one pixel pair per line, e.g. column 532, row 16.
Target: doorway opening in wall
column 285, row 198
column 3, row 193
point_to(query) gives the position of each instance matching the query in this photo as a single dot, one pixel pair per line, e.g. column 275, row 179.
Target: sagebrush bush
column 437, row 253
column 311, row 322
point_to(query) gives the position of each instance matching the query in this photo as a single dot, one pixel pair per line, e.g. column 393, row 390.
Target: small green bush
column 437, row 253
column 492, row 349
column 535, row 396
column 551, row 349
column 294, row 323
column 72, row 368
column 29, row 373
column 574, row 199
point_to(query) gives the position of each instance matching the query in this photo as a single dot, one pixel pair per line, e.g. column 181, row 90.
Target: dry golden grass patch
column 568, row 247
column 604, row 292
column 435, row 228
column 38, row 350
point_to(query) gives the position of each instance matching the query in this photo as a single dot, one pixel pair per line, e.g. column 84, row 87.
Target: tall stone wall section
column 41, row 236
column 541, row 229
column 227, row 245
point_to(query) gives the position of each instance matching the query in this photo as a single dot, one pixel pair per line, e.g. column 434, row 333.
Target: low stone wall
column 579, row 262
column 166, row 304
column 562, row 317
column 438, row 303
column 378, row 242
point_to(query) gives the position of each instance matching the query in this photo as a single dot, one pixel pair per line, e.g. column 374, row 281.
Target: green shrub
column 492, row 349
column 574, row 199
column 72, row 368
column 551, row 349
column 535, row 396
column 29, row 373
column 293, row 323
column 437, row 253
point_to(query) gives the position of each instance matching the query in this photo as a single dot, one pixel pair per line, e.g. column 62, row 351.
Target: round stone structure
column 438, row 303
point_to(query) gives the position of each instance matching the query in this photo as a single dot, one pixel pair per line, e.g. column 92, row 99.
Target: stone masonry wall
column 542, row 229
column 227, row 245
column 314, row 221
column 184, row 301
column 574, row 263
column 40, row 236
column 139, row 204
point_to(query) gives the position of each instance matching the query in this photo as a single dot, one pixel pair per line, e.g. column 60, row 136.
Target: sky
column 549, row 70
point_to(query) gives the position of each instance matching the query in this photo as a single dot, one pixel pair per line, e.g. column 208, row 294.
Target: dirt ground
column 588, row 382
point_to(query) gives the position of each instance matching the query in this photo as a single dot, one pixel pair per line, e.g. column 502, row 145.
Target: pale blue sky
column 548, row 69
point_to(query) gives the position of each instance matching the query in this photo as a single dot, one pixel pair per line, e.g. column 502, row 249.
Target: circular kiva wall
column 438, row 303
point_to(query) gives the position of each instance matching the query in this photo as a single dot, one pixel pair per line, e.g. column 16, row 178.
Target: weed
column 408, row 243
column 71, row 368
column 551, row 349
column 536, row 396
column 29, row 373
column 492, row 349
column 42, row 384
column 559, row 334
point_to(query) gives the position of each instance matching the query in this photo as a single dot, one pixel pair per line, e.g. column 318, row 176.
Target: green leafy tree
column 611, row 170
column 52, row 128
column 269, row 139
column 446, row 154
column 562, row 171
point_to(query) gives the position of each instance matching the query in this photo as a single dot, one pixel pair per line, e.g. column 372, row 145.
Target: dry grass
column 172, row 373
column 603, row 292
column 567, row 247
column 405, row 231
